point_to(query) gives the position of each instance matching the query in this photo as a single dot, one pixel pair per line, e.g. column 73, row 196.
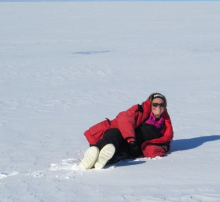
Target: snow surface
column 66, row 66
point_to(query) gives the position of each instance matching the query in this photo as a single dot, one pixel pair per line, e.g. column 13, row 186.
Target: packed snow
column 65, row 66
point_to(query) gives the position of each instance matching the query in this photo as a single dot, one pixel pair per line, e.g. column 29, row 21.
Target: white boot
column 90, row 157
column 105, row 155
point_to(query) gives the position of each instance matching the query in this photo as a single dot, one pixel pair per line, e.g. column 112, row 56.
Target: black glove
column 135, row 150
column 165, row 147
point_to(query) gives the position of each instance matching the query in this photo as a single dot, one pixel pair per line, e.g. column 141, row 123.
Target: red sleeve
column 126, row 122
column 168, row 134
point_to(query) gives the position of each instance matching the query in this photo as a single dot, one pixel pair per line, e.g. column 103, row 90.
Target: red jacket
column 127, row 121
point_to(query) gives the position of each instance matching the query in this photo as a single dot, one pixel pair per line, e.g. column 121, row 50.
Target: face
column 157, row 110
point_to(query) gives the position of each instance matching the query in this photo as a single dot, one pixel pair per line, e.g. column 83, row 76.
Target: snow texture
column 65, row 66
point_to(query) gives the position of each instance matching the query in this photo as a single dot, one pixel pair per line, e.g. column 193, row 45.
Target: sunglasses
column 157, row 104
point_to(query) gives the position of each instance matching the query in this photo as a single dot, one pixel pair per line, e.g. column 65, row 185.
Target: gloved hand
column 165, row 147
column 135, row 150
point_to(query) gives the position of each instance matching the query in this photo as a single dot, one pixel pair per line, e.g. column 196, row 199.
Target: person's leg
column 111, row 136
column 146, row 132
column 108, row 148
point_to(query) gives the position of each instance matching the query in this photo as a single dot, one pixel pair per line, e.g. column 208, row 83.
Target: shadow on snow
column 192, row 143
column 129, row 162
column 177, row 145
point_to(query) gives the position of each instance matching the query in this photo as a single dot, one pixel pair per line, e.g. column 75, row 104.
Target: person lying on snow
column 143, row 130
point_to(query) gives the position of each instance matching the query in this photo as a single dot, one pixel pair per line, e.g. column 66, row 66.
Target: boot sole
column 90, row 157
column 105, row 155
